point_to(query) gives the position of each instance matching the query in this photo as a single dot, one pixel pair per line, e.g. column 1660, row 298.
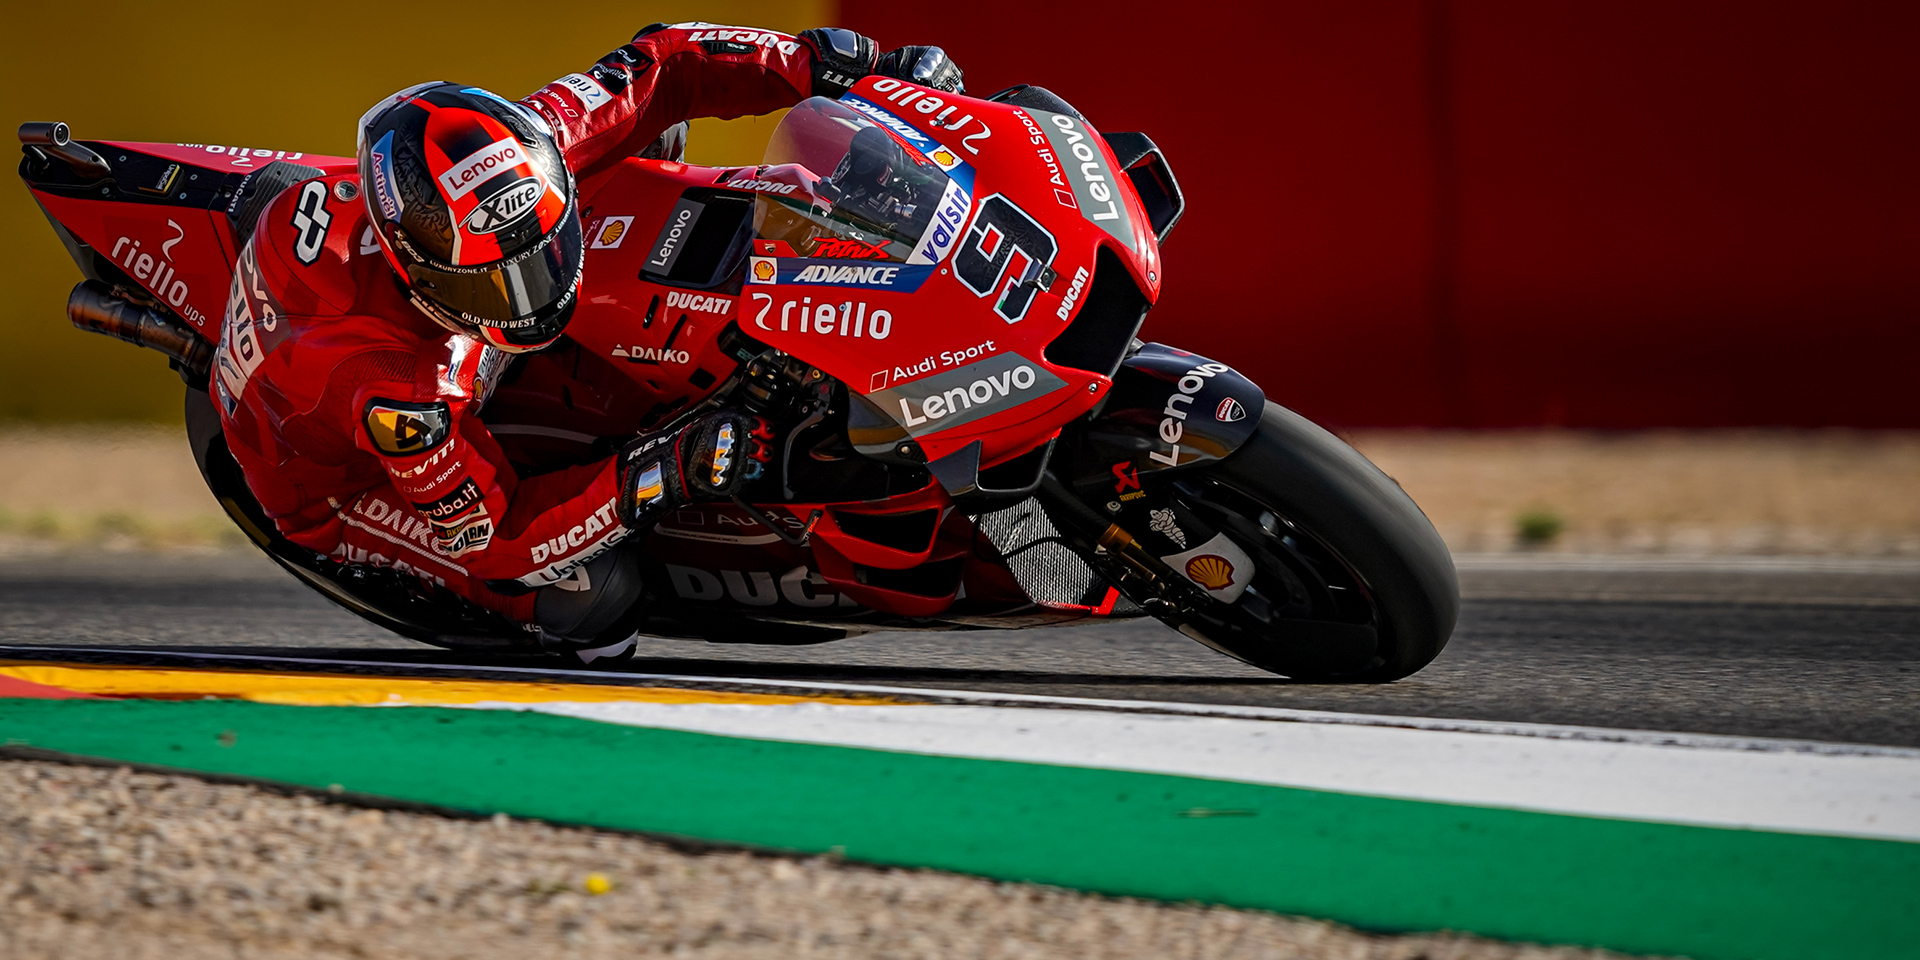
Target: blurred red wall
column 1507, row 213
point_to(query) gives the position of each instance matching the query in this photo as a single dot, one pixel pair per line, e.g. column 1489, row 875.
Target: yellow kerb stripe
column 320, row 690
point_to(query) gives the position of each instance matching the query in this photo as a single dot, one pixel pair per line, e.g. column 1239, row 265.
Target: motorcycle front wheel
column 1352, row 583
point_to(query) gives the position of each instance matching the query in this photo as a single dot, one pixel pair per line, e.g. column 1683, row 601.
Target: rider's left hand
column 926, row 66
column 711, row 458
column 841, row 58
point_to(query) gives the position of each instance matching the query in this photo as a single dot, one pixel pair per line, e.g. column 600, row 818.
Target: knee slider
column 601, row 598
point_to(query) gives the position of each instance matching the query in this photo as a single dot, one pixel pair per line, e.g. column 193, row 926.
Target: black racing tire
column 1335, row 527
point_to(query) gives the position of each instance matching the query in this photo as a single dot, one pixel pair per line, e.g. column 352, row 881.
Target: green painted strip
column 1376, row 863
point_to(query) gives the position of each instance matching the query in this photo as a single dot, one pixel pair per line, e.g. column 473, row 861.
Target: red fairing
column 356, row 419
column 1015, row 172
column 183, row 255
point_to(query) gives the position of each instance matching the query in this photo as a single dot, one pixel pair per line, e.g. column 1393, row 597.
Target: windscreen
column 871, row 197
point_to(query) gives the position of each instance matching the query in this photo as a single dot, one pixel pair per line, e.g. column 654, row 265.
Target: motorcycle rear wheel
column 1352, row 582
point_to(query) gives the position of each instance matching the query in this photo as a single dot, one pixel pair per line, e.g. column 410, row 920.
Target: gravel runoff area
column 1706, row 492
column 1662, row 492
column 98, row 862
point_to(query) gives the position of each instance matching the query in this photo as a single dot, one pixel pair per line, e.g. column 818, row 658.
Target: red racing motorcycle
column 935, row 299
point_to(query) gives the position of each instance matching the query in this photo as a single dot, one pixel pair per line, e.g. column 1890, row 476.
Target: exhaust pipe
column 94, row 307
column 54, row 139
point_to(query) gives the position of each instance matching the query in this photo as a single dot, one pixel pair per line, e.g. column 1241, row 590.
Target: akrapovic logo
column 480, row 166
column 947, row 400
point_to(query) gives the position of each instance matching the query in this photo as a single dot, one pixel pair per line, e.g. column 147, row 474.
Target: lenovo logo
column 480, row 166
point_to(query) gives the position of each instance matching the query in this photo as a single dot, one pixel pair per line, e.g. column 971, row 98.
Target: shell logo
column 610, row 234
column 944, row 157
column 1211, row 571
column 763, row 270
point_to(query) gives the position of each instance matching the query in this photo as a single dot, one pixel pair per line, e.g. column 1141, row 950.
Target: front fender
column 1168, row 410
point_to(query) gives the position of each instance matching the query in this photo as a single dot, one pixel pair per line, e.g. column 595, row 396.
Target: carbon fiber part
column 1045, row 567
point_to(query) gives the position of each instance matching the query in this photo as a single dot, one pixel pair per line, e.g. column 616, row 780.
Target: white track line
column 1874, row 797
column 983, row 697
column 1668, row 563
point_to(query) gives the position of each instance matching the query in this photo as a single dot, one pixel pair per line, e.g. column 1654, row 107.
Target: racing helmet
column 473, row 205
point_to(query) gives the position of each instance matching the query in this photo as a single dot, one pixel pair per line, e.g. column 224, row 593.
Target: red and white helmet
column 474, row 207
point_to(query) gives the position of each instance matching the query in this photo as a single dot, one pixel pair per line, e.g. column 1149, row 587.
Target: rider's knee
column 601, row 599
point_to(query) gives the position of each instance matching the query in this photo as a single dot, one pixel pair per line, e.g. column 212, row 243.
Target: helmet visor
column 521, row 297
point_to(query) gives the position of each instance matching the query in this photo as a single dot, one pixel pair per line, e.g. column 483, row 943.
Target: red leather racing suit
column 356, row 418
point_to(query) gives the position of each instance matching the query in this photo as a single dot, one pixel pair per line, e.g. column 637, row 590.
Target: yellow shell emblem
column 610, row 234
column 1210, row 571
column 762, row 270
column 944, row 158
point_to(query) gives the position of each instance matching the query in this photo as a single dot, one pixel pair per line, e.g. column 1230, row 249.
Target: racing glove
column 841, row 58
column 709, row 459
column 926, row 66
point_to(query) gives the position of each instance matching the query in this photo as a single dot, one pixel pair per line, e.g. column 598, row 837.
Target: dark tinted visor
column 515, row 295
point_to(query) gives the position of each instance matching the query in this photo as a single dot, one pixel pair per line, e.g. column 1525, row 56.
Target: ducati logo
column 506, row 207
column 1230, row 411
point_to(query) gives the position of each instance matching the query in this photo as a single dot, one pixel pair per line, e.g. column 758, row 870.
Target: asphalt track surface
column 1818, row 650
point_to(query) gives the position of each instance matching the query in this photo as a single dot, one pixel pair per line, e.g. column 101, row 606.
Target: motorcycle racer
column 372, row 315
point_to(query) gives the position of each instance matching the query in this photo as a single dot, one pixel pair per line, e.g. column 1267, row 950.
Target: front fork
column 1116, row 554
column 1110, row 486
